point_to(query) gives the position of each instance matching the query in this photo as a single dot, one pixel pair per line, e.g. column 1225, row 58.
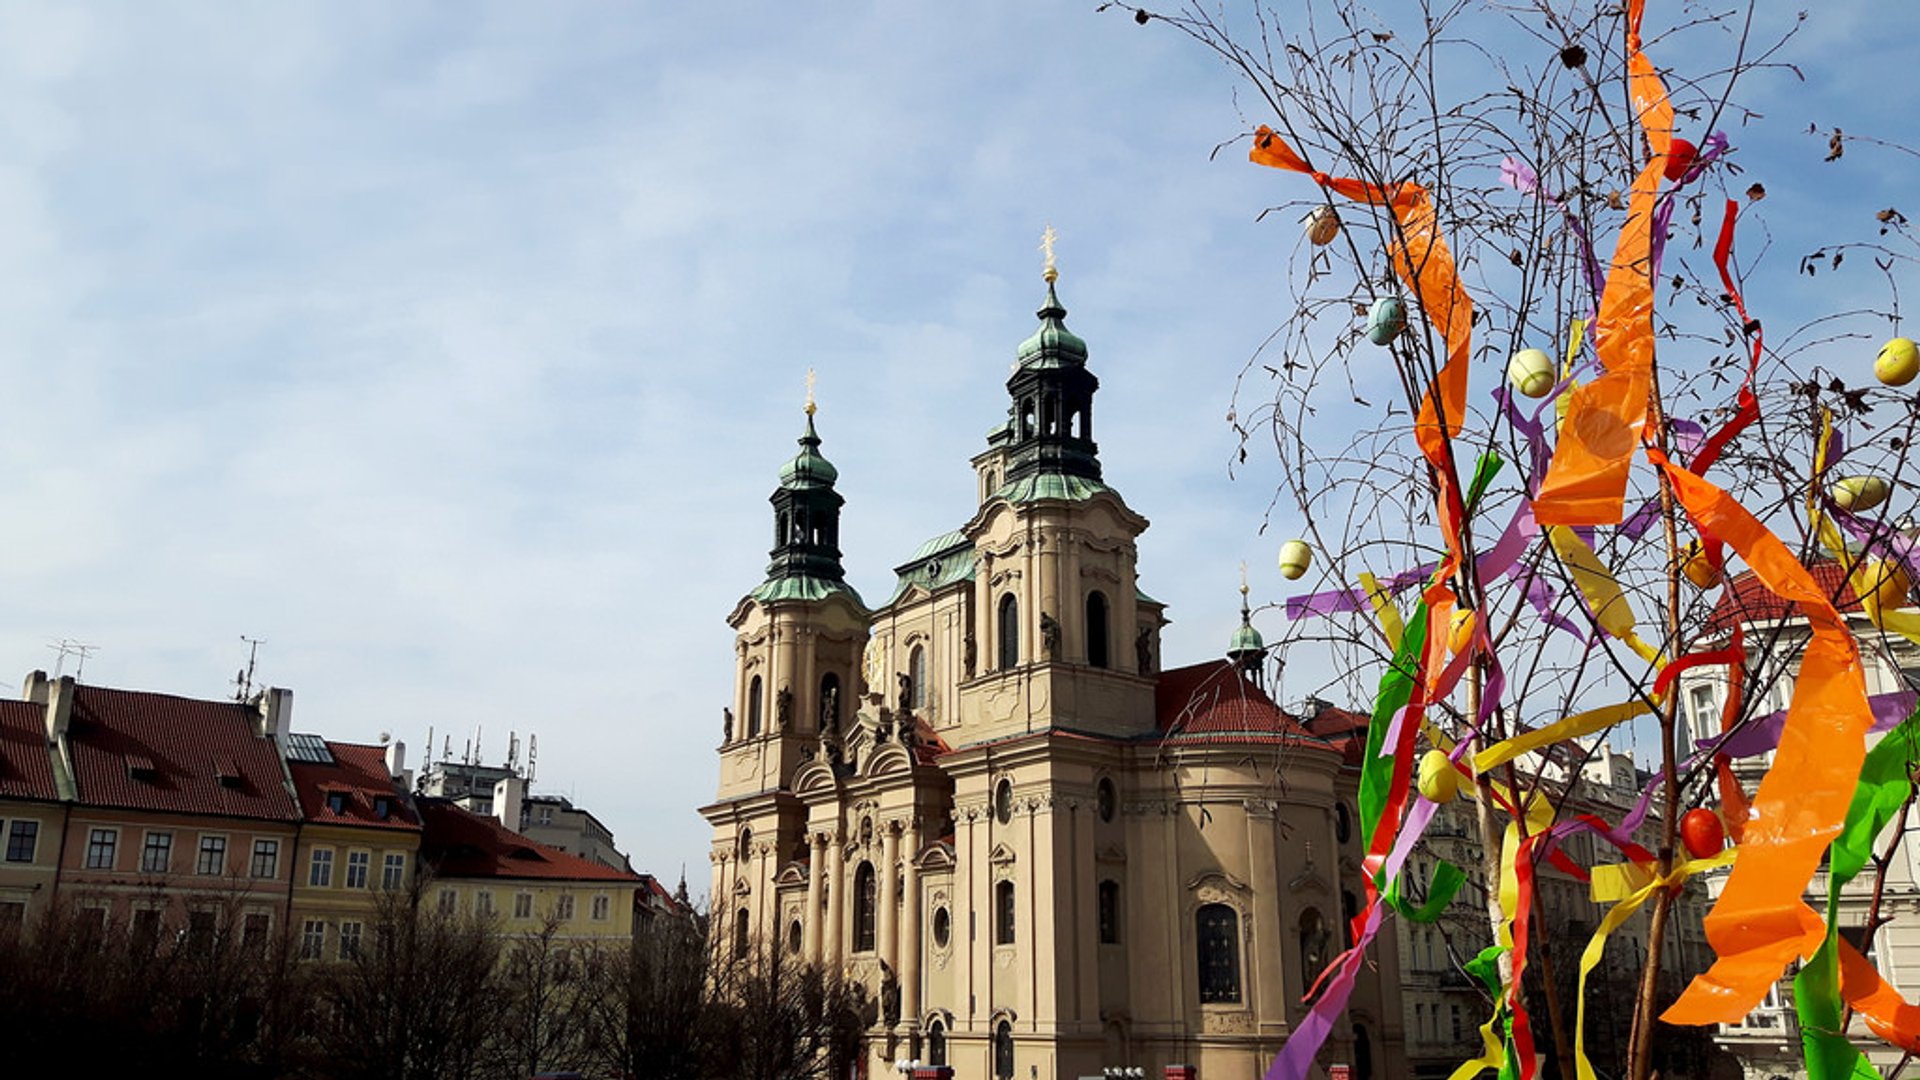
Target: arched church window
column 743, row 848
column 1003, row 1050
column 936, row 1042
column 1313, row 946
column 1003, row 913
column 917, row 671
column 866, row 908
column 829, row 702
column 1009, row 633
column 780, row 532
column 1362, row 1053
column 1218, row 941
column 1109, row 913
column 1105, row 799
column 755, row 710
column 794, row 937
column 1342, row 822
column 1026, row 418
column 1097, row 630
column 741, row 924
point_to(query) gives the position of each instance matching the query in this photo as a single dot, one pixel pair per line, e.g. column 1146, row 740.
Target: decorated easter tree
column 1519, row 278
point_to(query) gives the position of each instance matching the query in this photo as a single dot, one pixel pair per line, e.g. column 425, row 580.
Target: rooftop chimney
column 507, row 796
column 276, row 715
column 34, row 687
column 397, row 762
column 59, row 708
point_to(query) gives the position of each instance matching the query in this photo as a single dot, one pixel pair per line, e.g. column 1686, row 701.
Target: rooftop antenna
column 244, row 680
column 513, row 749
column 466, row 753
column 446, row 752
column 478, row 757
column 533, row 750
column 68, row 647
column 428, row 763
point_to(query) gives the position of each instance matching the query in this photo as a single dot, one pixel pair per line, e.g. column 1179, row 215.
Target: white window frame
column 365, row 866
column 393, row 871
column 523, row 905
column 165, row 850
column 111, row 842
column 602, row 907
column 320, row 870
column 200, row 854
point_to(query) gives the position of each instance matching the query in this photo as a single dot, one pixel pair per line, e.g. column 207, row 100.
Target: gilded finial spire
column 810, row 405
column 1052, row 270
column 1243, row 578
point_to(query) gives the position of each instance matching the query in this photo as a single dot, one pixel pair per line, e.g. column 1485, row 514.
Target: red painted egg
column 1703, row 834
column 1680, row 155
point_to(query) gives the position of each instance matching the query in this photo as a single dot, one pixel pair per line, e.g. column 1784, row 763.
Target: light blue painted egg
column 1386, row 319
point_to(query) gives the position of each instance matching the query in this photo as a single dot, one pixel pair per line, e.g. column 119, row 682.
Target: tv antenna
column 68, row 647
column 244, row 680
column 533, row 756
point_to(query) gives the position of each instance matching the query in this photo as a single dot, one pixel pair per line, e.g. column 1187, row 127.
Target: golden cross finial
column 810, row 405
column 1047, row 238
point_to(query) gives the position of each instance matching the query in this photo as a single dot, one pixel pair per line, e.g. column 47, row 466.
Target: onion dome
column 1052, row 345
column 808, row 469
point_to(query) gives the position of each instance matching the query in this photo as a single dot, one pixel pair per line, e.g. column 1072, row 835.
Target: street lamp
column 1117, row 1072
column 905, row 1067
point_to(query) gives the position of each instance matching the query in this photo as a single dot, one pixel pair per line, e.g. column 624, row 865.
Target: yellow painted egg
column 1891, row 588
column 1531, row 372
column 1698, row 569
column 1859, row 494
column 1898, row 362
column 1460, row 635
column 1438, row 782
column 1295, row 557
column 1323, row 225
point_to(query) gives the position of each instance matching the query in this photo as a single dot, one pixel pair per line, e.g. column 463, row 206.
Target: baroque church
column 985, row 799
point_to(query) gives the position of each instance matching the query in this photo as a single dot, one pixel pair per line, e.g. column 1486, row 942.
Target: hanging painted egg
column 1702, row 832
column 1531, row 372
column 1295, row 557
column 1438, row 781
column 1386, row 319
column 1891, row 588
column 1323, row 225
column 1698, row 569
column 1898, row 362
column 1680, row 155
column 1859, row 494
column 1460, row 634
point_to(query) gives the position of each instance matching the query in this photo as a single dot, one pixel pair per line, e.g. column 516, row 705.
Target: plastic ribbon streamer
column 1831, row 976
column 1601, row 592
column 1586, row 483
column 1632, row 884
column 1572, row 727
column 1392, row 627
column 1760, row 923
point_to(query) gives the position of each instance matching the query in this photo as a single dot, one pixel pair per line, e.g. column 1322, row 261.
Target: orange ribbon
column 1761, row 922
column 1586, row 481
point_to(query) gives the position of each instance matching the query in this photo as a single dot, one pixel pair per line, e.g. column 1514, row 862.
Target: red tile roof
column 462, row 844
column 26, row 766
column 187, row 742
column 1747, row 599
column 359, row 772
column 1216, row 702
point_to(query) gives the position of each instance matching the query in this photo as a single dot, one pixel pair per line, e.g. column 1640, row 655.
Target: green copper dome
column 1246, row 640
column 1053, row 345
column 808, row 469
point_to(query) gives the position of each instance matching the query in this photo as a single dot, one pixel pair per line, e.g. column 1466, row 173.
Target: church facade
column 987, row 801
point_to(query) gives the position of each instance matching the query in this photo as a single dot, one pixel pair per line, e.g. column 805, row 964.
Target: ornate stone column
column 889, row 893
column 816, row 854
column 836, row 900
column 910, row 945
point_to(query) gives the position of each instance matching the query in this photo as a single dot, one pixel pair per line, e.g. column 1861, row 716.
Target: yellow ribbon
column 1573, row 727
column 1632, row 885
column 1391, row 625
column 1601, row 592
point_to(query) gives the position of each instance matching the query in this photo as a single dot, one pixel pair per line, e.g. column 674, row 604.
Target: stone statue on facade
column 783, row 708
column 1143, row 650
column 830, row 708
column 1050, row 634
column 969, row 654
column 726, row 725
column 905, row 683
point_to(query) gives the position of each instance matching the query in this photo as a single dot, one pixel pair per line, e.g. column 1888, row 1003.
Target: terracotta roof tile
column 462, row 844
column 26, row 766
column 1216, row 702
column 1748, row 600
column 114, row 735
column 360, row 773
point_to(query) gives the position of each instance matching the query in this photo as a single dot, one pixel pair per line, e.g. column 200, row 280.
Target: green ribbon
column 1884, row 786
column 1446, row 882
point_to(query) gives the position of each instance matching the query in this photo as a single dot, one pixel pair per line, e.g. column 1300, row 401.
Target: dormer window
column 382, row 807
column 336, row 802
column 226, row 771
column 140, row 767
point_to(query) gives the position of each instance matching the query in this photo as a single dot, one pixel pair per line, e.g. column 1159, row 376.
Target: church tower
column 797, row 645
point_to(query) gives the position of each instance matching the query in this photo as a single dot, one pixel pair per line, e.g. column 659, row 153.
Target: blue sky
column 453, row 349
